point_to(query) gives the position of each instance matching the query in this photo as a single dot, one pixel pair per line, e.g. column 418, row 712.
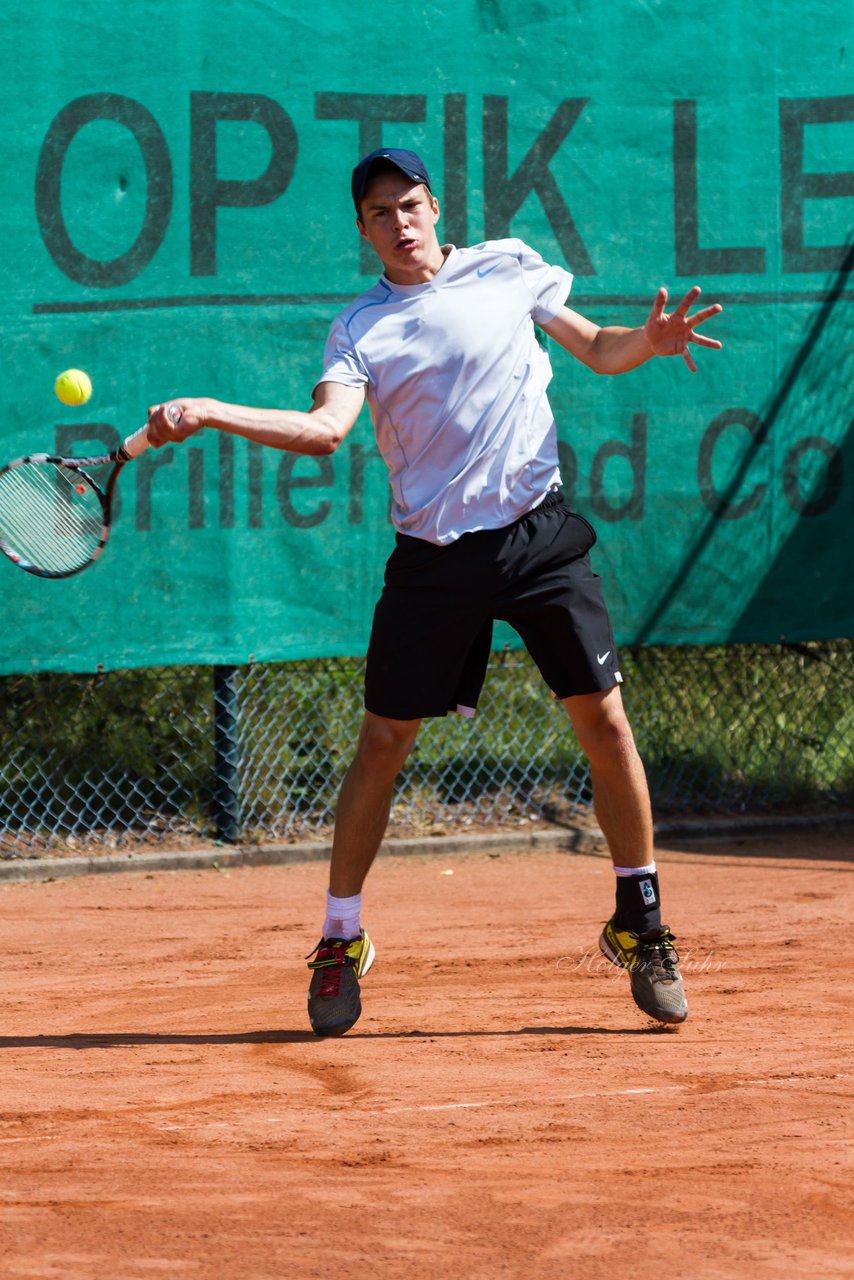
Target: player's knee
column 607, row 737
column 385, row 744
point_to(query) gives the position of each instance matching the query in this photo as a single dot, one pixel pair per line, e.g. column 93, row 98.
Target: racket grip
column 138, row 442
column 134, row 445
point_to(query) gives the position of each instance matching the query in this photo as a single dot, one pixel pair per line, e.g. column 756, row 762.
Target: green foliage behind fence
column 130, row 756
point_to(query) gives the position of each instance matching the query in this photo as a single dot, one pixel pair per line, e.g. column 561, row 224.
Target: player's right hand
column 174, row 420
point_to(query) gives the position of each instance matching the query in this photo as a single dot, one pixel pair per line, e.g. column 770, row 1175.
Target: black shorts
column 432, row 629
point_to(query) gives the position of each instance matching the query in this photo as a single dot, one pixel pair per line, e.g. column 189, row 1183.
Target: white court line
column 439, row 1106
column 213, row 1124
column 450, row 1106
column 35, row 1137
column 503, row 1102
column 510, row 1102
column 805, row 1080
column 613, row 1093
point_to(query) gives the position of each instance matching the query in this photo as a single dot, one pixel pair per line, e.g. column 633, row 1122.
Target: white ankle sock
column 635, row 871
column 342, row 916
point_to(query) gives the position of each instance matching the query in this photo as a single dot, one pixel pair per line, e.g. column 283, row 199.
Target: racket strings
column 50, row 516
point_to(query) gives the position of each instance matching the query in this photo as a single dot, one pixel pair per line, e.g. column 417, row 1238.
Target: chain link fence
column 257, row 753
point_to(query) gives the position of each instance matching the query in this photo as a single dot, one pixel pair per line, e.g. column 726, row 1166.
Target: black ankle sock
column 638, row 902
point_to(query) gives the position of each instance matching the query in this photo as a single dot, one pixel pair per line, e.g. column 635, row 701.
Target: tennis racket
column 55, row 518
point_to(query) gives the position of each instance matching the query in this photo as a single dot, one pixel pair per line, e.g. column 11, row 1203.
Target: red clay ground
column 501, row 1110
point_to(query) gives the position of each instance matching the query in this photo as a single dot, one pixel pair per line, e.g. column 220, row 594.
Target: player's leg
column 364, row 801
column 620, row 793
column 345, row 952
column 634, row 938
column 554, row 600
column 428, row 652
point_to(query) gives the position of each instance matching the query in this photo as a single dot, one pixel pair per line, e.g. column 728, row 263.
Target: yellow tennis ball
column 73, row 386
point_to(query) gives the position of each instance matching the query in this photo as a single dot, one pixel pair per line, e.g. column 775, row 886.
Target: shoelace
column 333, row 961
column 660, row 955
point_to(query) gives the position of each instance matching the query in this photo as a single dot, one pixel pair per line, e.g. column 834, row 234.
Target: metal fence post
column 226, row 754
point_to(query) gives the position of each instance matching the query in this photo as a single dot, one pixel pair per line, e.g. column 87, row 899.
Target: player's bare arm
column 318, row 431
column 615, row 349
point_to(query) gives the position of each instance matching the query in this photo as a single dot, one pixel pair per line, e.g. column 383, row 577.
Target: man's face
column 398, row 218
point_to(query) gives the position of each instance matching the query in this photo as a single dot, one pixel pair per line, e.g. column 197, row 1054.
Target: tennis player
column 444, row 348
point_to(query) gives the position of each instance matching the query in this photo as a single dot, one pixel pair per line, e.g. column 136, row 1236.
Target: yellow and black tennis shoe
column 653, row 964
column 334, row 1002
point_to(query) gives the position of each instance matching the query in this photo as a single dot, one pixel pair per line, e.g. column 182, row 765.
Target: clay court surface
column 501, row 1109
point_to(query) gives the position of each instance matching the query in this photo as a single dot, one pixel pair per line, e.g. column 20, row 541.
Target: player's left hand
column 670, row 335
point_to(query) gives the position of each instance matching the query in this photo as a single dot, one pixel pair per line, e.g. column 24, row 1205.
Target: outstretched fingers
column 658, row 305
column 688, row 301
column 691, row 323
column 702, row 341
column 672, row 334
column 705, row 314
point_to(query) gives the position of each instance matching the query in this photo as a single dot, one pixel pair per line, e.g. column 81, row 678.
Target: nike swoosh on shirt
column 484, row 271
column 602, row 659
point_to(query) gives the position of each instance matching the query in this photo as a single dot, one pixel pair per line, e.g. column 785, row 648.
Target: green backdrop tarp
column 177, row 221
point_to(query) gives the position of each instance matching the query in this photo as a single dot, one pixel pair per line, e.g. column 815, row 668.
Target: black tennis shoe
column 334, row 1003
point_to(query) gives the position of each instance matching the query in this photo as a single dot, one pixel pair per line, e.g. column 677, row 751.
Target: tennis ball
column 73, row 387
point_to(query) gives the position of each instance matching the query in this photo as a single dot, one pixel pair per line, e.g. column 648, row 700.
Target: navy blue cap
column 406, row 161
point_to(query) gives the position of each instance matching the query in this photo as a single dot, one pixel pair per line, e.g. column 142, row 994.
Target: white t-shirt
column 456, row 383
